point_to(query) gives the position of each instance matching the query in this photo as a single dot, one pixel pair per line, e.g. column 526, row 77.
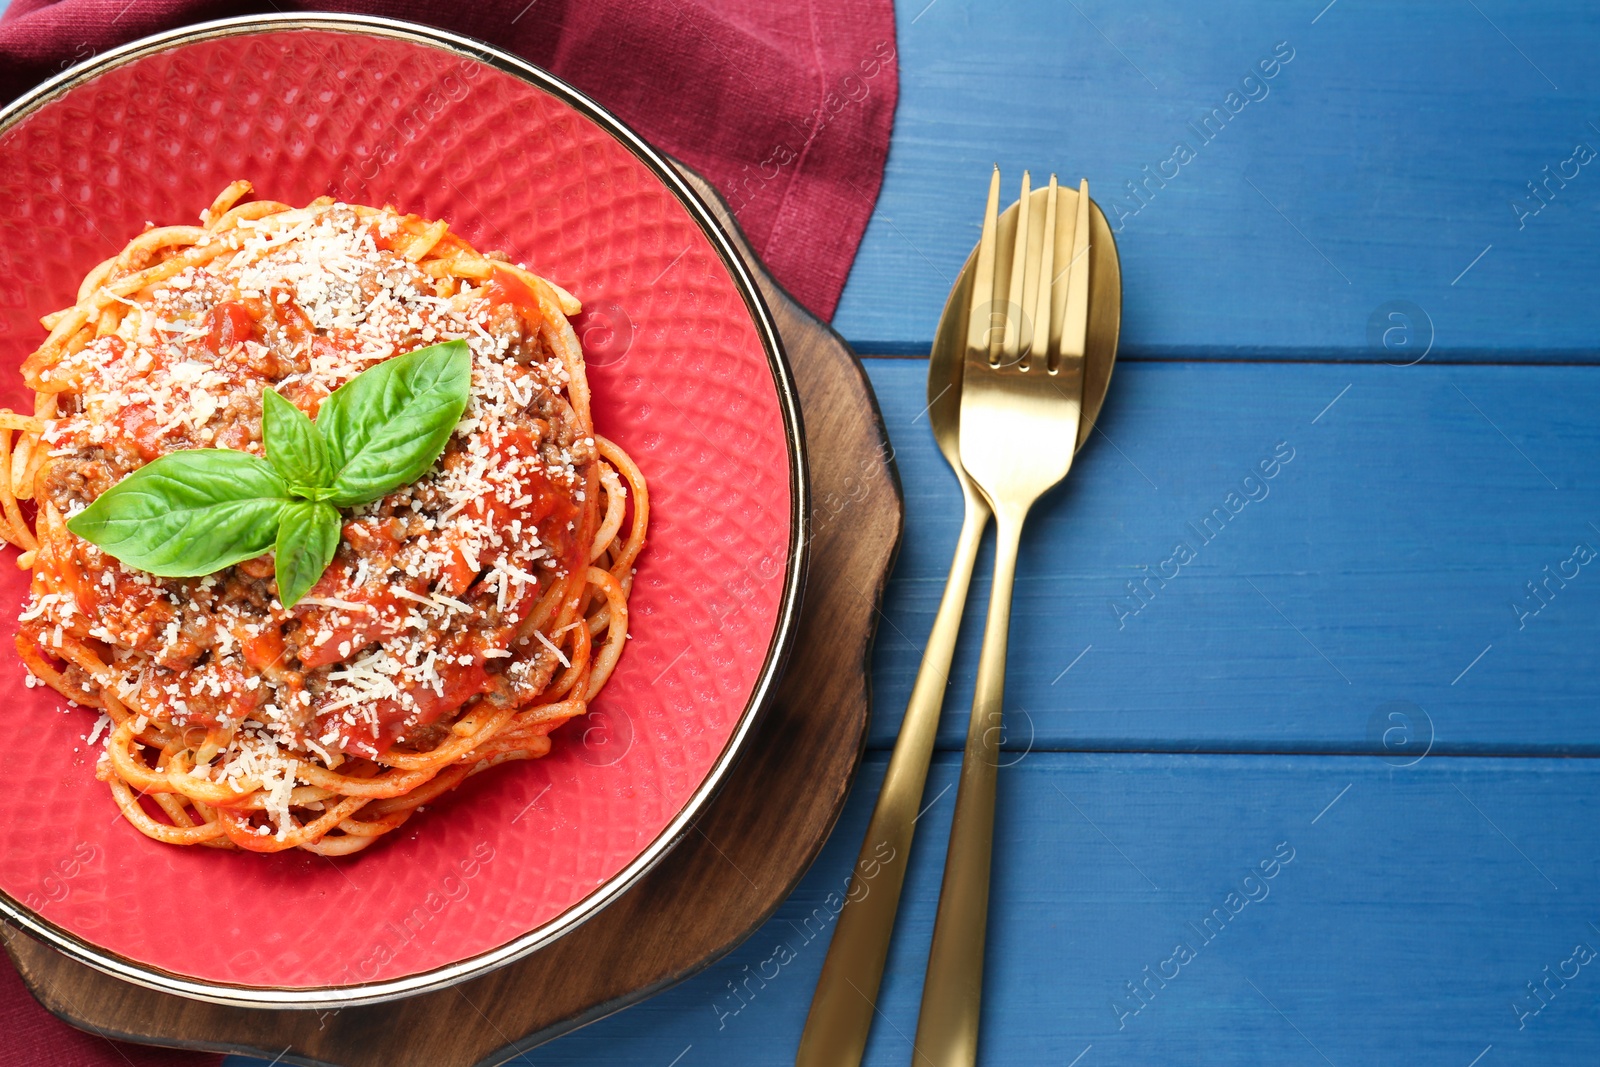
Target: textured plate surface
column 682, row 379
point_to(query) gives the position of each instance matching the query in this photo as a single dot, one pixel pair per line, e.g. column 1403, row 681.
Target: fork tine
column 1013, row 340
column 980, row 302
column 1045, row 275
column 1075, row 321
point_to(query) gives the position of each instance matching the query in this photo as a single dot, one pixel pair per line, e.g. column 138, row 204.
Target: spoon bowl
column 1100, row 349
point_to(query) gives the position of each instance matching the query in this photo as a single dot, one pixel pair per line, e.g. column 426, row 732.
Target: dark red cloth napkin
column 785, row 105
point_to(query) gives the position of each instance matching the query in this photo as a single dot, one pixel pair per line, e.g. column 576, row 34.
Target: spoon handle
column 947, row 1028
column 845, row 1000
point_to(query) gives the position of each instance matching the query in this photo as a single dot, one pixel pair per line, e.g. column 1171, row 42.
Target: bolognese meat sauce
column 422, row 607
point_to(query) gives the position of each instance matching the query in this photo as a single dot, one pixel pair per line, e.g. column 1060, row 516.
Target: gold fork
column 1021, row 403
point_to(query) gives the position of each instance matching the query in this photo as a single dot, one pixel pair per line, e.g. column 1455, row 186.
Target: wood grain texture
column 1382, row 560
column 1382, row 159
column 1402, row 931
column 737, row 864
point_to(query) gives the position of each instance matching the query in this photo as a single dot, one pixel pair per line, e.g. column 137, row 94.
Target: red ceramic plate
column 688, row 376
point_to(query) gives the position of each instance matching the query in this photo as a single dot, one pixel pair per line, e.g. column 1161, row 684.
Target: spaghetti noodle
column 464, row 617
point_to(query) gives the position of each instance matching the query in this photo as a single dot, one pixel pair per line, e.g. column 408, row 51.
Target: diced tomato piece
column 290, row 315
column 139, row 425
column 459, row 574
column 231, row 323
column 264, row 649
column 507, row 288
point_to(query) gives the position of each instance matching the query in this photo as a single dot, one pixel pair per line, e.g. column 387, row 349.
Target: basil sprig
column 197, row 511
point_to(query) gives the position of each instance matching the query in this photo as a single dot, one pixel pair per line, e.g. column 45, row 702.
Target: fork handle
column 844, row 1004
column 947, row 1029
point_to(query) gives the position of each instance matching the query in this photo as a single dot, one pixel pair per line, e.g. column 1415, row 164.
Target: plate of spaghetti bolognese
column 404, row 497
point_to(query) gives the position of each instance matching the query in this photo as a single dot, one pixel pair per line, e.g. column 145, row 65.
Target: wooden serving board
column 749, row 849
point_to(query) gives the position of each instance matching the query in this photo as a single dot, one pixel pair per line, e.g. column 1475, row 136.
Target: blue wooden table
column 1358, row 242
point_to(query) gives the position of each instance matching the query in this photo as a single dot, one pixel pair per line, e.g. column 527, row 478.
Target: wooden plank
column 1383, row 560
column 1402, row 931
column 1394, row 144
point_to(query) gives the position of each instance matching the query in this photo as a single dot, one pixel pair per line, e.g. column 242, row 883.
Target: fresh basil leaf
column 308, row 537
column 188, row 513
column 387, row 425
column 294, row 445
